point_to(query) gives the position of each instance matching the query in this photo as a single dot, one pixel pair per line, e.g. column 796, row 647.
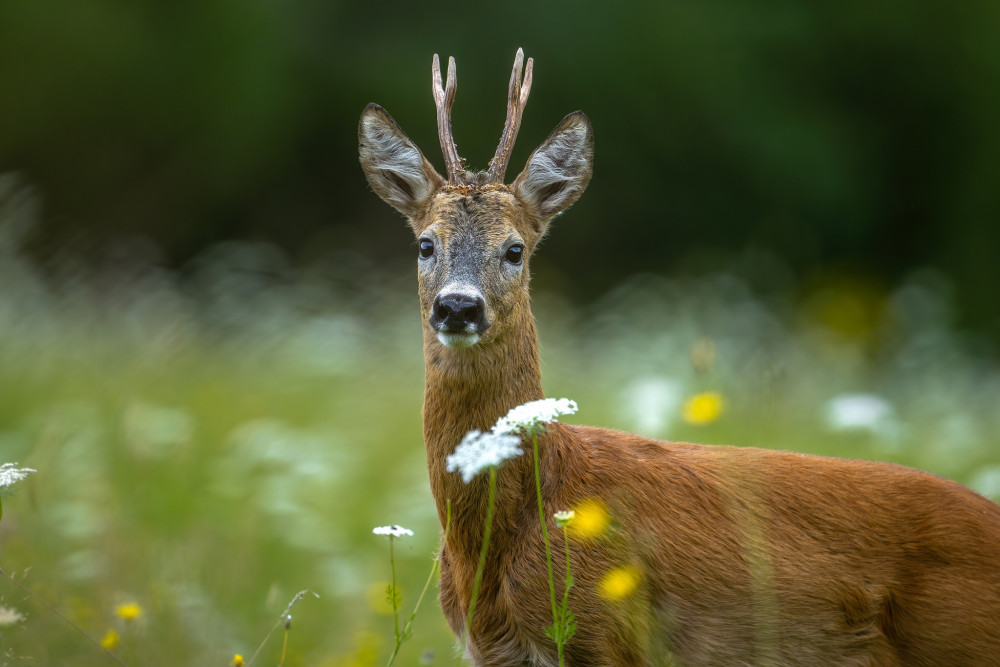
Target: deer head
column 475, row 234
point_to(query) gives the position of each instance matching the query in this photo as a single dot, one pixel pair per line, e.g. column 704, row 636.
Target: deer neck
column 469, row 390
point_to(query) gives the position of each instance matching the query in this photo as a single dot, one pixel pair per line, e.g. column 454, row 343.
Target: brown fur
column 745, row 556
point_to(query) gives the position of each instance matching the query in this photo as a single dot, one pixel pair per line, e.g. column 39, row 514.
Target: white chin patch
column 457, row 340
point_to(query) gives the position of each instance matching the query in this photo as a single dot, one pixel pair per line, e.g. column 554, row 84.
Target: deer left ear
column 395, row 167
column 558, row 171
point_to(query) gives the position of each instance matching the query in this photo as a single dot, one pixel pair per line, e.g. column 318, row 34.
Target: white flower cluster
column 393, row 531
column 530, row 417
column 479, row 450
column 9, row 475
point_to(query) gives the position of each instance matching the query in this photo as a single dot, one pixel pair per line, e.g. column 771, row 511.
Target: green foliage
column 393, row 597
column 564, row 626
column 564, row 622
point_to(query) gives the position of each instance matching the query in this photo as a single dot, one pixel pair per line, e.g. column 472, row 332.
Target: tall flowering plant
column 480, row 451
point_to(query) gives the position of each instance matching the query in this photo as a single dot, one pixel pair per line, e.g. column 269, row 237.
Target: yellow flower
column 702, row 408
column 590, row 519
column 129, row 612
column 368, row 645
column 111, row 640
column 618, row 583
column 237, row 660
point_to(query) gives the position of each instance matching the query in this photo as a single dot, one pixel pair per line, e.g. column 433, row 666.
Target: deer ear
column 394, row 166
column 558, row 171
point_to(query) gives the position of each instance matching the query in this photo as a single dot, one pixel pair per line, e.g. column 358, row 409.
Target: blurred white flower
column 157, row 431
column 530, row 417
column 393, row 531
column 10, row 475
column 651, row 403
column 479, row 451
column 9, row 616
column 859, row 412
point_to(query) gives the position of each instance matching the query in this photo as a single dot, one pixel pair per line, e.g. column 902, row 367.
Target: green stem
column 284, row 618
column 545, row 537
column 284, row 644
column 395, row 594
column 482, row 552
column 427, row 584
column 568, row 573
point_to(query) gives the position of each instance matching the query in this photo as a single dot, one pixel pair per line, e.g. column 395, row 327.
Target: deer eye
column 515, row 253
column 426, row 248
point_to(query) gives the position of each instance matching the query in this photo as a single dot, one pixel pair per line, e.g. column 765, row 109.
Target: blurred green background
column 847, row 138
column 209, row 341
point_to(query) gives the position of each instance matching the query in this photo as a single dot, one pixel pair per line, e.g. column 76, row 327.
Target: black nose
column 453, row 312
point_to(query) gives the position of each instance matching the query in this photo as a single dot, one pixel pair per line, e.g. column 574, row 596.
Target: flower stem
column 284, row 644
column 569, row 574
column 407, row 629
column 395, row 593
column 482, row 552
column 284, row 618
column 545, row 538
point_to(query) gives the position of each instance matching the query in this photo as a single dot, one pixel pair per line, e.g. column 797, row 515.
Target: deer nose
column 455, row 312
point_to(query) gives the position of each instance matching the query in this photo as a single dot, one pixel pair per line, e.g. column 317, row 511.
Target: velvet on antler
column 517, row 99
column 444, row 98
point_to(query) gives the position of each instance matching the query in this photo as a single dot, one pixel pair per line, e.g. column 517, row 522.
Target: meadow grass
column 208, row 444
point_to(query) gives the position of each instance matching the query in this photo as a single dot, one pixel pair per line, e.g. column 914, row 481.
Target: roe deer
column 740, row 556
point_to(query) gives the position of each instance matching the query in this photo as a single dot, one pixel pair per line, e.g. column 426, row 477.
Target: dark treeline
column 847, row 143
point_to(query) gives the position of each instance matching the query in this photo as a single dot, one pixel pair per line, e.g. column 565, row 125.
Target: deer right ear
column 394, row 166
column 558, row 171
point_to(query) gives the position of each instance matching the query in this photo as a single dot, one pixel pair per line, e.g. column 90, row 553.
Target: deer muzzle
column 459, row 318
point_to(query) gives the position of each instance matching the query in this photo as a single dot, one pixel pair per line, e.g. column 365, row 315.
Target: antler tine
column 517, row 98
column 444, row 98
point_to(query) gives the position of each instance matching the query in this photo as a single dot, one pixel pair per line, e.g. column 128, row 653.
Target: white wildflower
column 564, row 517
column 530, row 417
column 479, row 451
column 9, row 475
column 393, row 531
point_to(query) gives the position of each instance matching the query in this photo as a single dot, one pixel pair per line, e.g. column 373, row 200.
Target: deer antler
column 517, row 98
column 443, row 99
